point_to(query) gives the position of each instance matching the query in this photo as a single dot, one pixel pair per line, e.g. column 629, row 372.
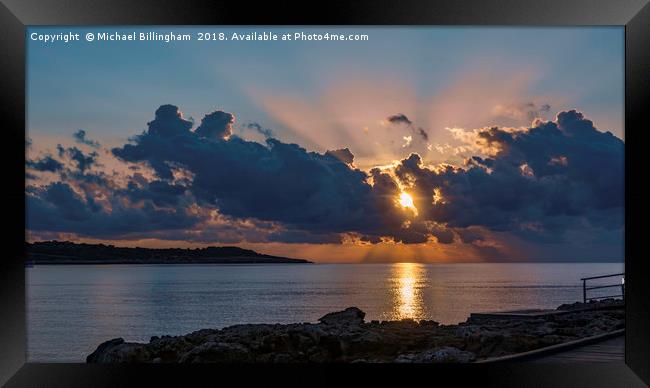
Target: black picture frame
column 15, row 15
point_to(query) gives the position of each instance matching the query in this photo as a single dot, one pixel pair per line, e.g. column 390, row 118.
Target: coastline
column 345, row 336
column 65, row 252
column 224, row 261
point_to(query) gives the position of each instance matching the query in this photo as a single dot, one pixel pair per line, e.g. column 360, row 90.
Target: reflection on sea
column 409, row 279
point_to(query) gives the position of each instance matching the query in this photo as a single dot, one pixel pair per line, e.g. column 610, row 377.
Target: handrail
column 603, row 276
column 599, row 287
column 585, row 288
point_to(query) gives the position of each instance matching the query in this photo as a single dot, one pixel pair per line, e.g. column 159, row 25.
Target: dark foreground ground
column 345, row 337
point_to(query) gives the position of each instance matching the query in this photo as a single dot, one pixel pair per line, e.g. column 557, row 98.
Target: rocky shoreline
column 345, row 337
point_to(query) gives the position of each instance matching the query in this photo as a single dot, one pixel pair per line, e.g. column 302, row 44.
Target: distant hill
column 65, row 252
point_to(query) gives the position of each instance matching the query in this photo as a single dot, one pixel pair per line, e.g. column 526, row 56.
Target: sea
column 73, row 308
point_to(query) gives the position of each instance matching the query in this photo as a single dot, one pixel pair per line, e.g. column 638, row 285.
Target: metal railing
column 620, row 285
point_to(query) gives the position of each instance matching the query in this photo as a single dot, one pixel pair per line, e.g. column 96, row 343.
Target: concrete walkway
column 606, row 347
column 609, row 350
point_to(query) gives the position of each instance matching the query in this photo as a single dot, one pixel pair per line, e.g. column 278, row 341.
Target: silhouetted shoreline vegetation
column 65, row 252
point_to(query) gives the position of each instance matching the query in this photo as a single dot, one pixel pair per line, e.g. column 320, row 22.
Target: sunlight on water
column 409, row 279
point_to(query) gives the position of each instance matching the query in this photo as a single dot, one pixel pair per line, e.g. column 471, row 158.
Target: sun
column 406, row 200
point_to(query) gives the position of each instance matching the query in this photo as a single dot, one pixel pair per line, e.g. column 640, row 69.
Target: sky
column 428, row 144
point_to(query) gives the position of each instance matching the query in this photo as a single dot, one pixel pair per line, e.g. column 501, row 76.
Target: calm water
column 71, row 309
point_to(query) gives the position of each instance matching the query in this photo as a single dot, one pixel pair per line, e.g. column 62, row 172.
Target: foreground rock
column 345, row 337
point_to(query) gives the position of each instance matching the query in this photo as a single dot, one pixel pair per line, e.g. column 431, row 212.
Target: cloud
column 168, row 122
column 80, row 137
column 160, row 193
column 343, row 154
column 423, row 134
column 47, row 163
column 216, row 125
column 259, row 129
column 401, row 118
column 277, row 181
column 83, row 161
column 538, row 184
column 58, row 207
column 407, row 141
column 527, row 111
column 520, row 188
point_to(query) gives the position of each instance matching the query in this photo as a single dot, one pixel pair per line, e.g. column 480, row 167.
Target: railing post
column 584, row 290
column 623, row 288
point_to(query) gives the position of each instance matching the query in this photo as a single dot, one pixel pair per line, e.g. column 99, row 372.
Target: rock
column 448, row 354
column 169, row 349
column 442, row 354
column 349, row 316
column 313, row 331
column 543, row 330
column 217, row 352
column 551, row 340
column 592, row 304
column 118, row 351
column 99, row 355
column 344, row 337
column 406, row 358
column 571, row 306
column 319, row 357
column 130, row 353
column 467, row 331
column 282, row 358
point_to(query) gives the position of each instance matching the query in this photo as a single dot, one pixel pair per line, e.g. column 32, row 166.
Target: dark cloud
column 159, row 192
column 80, row 137
column 94, row 205
column 344, row 155
column 58, row 207
column 277, row 181
column 554, row 177
column 216, row 125
column 82, row 161
column 261, row 130
column 169, row 122
column 47, row 163
column 401, row 118
column 423, row 134
column 541, row 185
